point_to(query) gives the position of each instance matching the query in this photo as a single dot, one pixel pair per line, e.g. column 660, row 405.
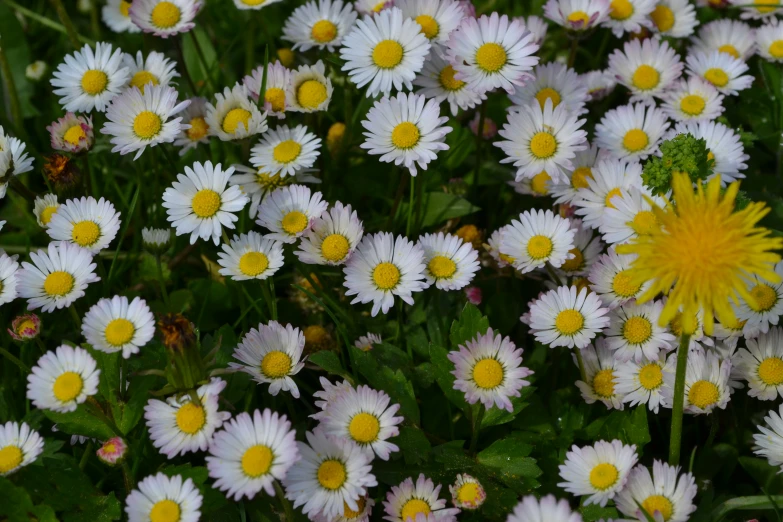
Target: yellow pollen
column 771, row 371
column 85, row 233
column 68, row 386
column 94, row 82
column 276, row 364
column 286, row 56
column 621, row 9
column 294, row 222
column 548, row 93
column 543, row 145
column 488, row 374
column 286, row 151
column 623, row 284
column 447, row 80
column 257, row 461
column 233, row 118
column 386, row 276
column 253, row 263
column 491, row 57
column 635, row 140
column 10, row 458
column 614, row 193
column 165, row 511
column 717, row 77
column 147, row 125
column 74, row 134
column 644, row 222
column 332, row 474
column 645, row 78
column 603, row 383
column 405, row 135
column 441, row 267
column 650, row 376
column 47, row 213
column 429, row 26
column 729, row 49
column 142, row 78
column 58, row 283
column 323, row 31
column 125, row 8
column 335, row 247
column 191, row 418
column 637, row 329
column 576, row 262
column 206, row 203
column 766, row 6
column 579, row 20
column 469, row 493
column 165, row 15
column 703, row 394
column 387, row 54
column 539, row 247
column 414, row 507
column 569, row 321
column 604, row 476
column 663, row 17
column 776, row 49
column 198, row 129
column 580, row 176
column 119, row 332
column 364, row 428
column 311, row 94
column 539, row 183
column 764, row 298
column 276, row 98
column 660, row 504
column 350, row 514
column 379, row 6
column 692, row 105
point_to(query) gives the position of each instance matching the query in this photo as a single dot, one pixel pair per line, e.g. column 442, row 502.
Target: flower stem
column 572, row 56
column 287, row 509
column 75, row 315
column 162, row 282
column 675, row 440
column 410, row 207
column 477, row 418
column 10, row 87
column 73, row 34
column 22, row 366
column 85, row 455
column 581, row 364
column 51, row 24
column 479, row 143
column 127, row 476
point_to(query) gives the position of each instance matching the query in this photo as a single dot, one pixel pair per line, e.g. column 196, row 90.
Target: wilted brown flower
column 62, row 171
column 317, row 338
column 176, row 331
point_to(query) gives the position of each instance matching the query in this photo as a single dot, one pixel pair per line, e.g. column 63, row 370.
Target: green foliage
column 683, row 153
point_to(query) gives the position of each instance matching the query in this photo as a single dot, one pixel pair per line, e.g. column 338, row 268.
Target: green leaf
column 414, row 445
column 22, row 505
column 765, row 475
column 328, row 361
column 510, row 457
column 596, row 512
column 470, row 324
column 443, row 367
column 97, row 509
column 128, row 414
column 392, row 382
column 438, row 207
column 109, row 365
column 18, row 54
column 80, row 422
column 496, row 416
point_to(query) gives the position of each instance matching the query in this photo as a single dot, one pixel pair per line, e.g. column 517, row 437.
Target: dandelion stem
column 477, row 418
column 675, row 440
column 581, row 364
column 70, row 30
column 287, row 509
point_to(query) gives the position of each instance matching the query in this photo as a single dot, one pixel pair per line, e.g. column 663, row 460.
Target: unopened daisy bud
column 286, row 56
column 467, row 493
column 25, row 327
column 61, row 171
column 317, row 338
column 490, row 127
column 84, row 6
column 470, row 234
column 473, row 293
column 366, row 342
column 71, row 133
column 113, row 451
column 36, row 70
column 156, row 240
column 334, row 137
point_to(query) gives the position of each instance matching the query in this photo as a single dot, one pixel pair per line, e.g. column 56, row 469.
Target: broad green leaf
column 414, row 445
column 392, row 382
column 496, row 416
column 80, row 422
column 595, row 512
column 18, row 510
column 128, row 414
column 328, row 361
column 438, row 207
column 510, row 456
column 470, row 324
column 96, row 509
column 443, row 368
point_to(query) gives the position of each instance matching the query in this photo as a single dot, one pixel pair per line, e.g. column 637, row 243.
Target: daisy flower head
column 692, row 99
column 258, row 184
column 194, row 129
column 706, row 383
column 118, row 325
column 437, row 82
column 758, row 9
column 630, row 215
column 13, row 159
column 250, row 256
column 333, row 237
column 769, row 41
column 56, row 277
column 728, row 36
column 583, row 163
column 538, row 237
column 20, row 445
column 165, row 18
column 647, row 68
column 563, row 317
column 200, row 203
column 234, row 115
column 663, row 494
column 367, row 342
column 763, row 305
column 272, row 354
column 611, row 278
column 451, row 263
column 309, row 90
column 361, row 514
column 156, row 239
column 88, row 79
column 643, row 382
column 371, row 7
column 25, row 327
column 761, row 365
column 319, row 23
column 328, row 394
column 289, row 212
column 44, row 208
column 85, row 222
column 491, row 52
column 156, row 69
column 535, row 24
column 629, row 16
column 769, row 442
column 674, row 18
column 277, row 79
column 634, row 332
column 8, row 280
column 537, row 186
column 553, row 81
column 384, row 51
column 722, row 70
column 159, row 497
column 332, row 475
column 246, row 5
column 63, row 379
column 179, row 425
column 72, row 133
column 599, row 471
column 116, row 14
column 488, row 368
column 410, row 500
column 610, row 180
column 546, row 509
column 599, row 84
column 286, row 151
column 251, row 452
column 405, row 129
column 437, row 18
column 577, row 15
column 113, row 451
column 601, row 368
column 586, row 250
column 632, row 132
column 467, row 492
column 724, row 147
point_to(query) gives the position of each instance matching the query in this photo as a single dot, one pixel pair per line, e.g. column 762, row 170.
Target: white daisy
column 664, row 495
column 8, row 280
column 286, row 151
column 451, row 263
column 437, row 82
column 577, row 15
column 332, row 474
column 361, row 514
column 180, row 425
column 629, row 16
column 467, row 492
column 761, row 365
column 57, row 276
column 327, row 395
column 674, row 18
column 642, row 382
column 583, row 163
column 630, row 215
column 272, row 354
column 250, row 453
column 600, row 470
column 116, row 14
column 727, row 36
column 85, row 222
column 706, row 382
column 599, row 84
column 587, row 248
column 631, row 132
column 723, row 146
column 289, row 212
column 277, row 79
column 200, row 204
column 383, row 267
column 547, row 509
column 601, row 375
column 161, row 498
column 491, row 52
column 730, row 332
column 647, row 68
column 765, row 305
column 332, row 238
column 769, row 41
column 535, row 24
column 89, row 79
column 254, row 4
column 309, row 90
column 537, row 238
column 409, row 501
column 611, row 279
column 12, row 158
column 156, row 239
column 250, row 256
column 72, row 133
column 194, row 128
column 553, row 81
column 563, row 317
column 437, row 18
column 693, row 99
column 323, row 24
column 20, row 445
column 165, row 18
column 611, row 178
column 758, row 9
column 234, row 115
column 63, row 379
column 370, row 7
column 116, row 324
column 367, row 342
column 769, row 443
column 634, row 332
column 155, row 69
column 493, row 247
column 384, row 51
column 258, row 184
column 723, row 71
column 537, row 186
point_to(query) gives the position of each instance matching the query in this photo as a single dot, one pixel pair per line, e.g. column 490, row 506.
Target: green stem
column 479, row 143
column 75, row 316
column 20, row 188
column 581, row 364
column 127, row 477
column 70, row 30
column 410, row 206
column 675, row 440
column 572, row 55
column 477, row 418
column 85, row 455
column 287, row 509
column 10, row 87
column 40, row 344
column 48, row 22
column 200, row 53
column 553, row 274
column 162, row 282
column 271, row 282
column 95, row 26
column 8, row 355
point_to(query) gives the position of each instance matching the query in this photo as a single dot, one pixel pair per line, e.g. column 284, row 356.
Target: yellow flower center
column 644, row 222
column 10, row 458
column 717, row 77
column 703, row 394
column 603, row 383
column 543, row 145
column 364, row 428
column 387, row 54
column 766, row 6
column 165, row 511
column 317, row 336
column 539, row 183
column 414, row 507
column 165, row 15
column 663, row 17
column 311, row 94
column 442, row 267
column 268, row 182
column 488, row 373
column 286, row 151
column 147, row 125
column 604, row 476
column 349, row 513
column 576, row 262
column 405, row 135
column 94, row 82
column 198, row 128
column 621, row 9
column 253, row 2
column 692, row 105
column 614, row 193
column 650, row 376
column 539, row 247
column 125, row 8
column 771, row 371
column 294, row 222
column 469, row 493
column 386, row 276
column 257, row 460
column 447, row 80
column 623, row 285
column 234, row 117
column 253, row 263
column 286, row 56
column 429, row 26
column 142, row 78
column 548, row 93
column 645, row 78
column 635, row 140
column 58, row 283
column 27, row 324
column 569, row 321
column 85, row 233
column 47, row 213
column 776, row 49
column 637, row 330
column 191, row 418
column 206, row 203
column 323, row 31
column 276, row 364
column 660, row 504
column 729, row 49
column 332, row 474
column 379, row 6
column 764, row 298
column 68, row 386
column 491, row 57
column 119, row 332
column 579, row 18
column 335, row 247
column 580, row 176
column 276, row 98
column 74, row 134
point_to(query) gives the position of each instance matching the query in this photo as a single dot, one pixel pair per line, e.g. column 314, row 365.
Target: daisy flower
column 199, row 203
column 57, row 276
column 769, row 443
column 254, row 4
column 272, row 354
column 332, row 238
column 113, row 451
column 251, row 452
column 437, row 18
column 451, row 263
column 631, row 132
column 309, row 90
column 629, row 16
column 366, row 342
column 180, row 425
column 537, row 186
column 164, row 18
column 85, row 222
column 547, row 509
column 116, row 14
column 723, row 71
column 563, row 317
column 162, row 498
column 611, row 179
column 88, row 80
column 758, row 9
column 537, row 238
column 634, row 332
column 72, row 133
column 642, row 382
column 553, row 81
column 488, row 368
column 467, row 492
column 155, row 69
column 408, row 500
column 647, row 68
column 761, row 365
column 535, row 24
column 13, row 160
column 8, row 280
column 728, row 36
column 491, row 52
column 384, row 51
column 437, row 82
column 665, row 494
column 321, row 24
column 599, row 84
column 234, row 115
column 258, row 184
column 600, row 471
column 289, row 212
column 674, row 18
column 611, row 279
column 706, row 383
column 361, row 514
column 156, row 239
column 601, row 375
column 693, row 99
column 63, row 379
column 769, row 41
column 194, row 128
column 577, row 15
column 332, row 474
column 277, row 79
column 405, row 129
column 327, row 395
column 765, row 305
column 383, row 267
column 583, row 163
column 285, row 151
column 250, row 256
column 586, row 250
column 630, row 215
column 116, row 324
column 20, row 445
column 370, row 7
column 723, row 146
